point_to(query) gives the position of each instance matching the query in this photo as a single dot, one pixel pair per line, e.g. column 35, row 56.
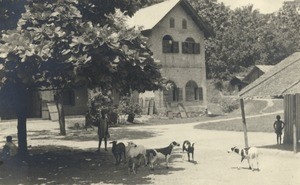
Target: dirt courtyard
column 213, row 166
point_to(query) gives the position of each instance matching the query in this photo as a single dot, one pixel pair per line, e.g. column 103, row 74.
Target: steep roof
column 149, row 17
column 264, row 68
column 283, row 78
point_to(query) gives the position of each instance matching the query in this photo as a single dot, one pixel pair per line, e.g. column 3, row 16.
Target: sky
column 264, row 6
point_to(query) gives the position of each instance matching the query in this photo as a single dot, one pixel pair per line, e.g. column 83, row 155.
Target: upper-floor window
column 190, row 46
column 169, row 45
column 184, row 24
column 172, row 22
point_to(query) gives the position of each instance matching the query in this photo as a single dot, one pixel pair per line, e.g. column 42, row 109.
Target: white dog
column 249, row 153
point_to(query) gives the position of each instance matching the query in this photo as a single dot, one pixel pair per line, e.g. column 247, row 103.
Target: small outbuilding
column 283, row 80
column 256, row 72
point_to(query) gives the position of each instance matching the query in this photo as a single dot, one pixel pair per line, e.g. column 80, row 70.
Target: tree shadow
column 64, row 165
column 284, row 147
column 91, row 135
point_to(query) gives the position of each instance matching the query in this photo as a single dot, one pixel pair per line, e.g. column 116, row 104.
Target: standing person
column 278, row 127
column 9, row 149
column 103, row 129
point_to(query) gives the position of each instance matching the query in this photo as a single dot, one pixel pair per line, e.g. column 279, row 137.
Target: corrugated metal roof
column 148, row 17
column 283, row 78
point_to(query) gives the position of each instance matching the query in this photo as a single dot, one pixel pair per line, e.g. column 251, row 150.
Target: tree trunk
column 61, row 113
column 22, row 135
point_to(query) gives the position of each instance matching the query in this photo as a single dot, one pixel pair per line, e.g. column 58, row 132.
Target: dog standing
column 249, row 153
column 189, row 148
column 160, row 153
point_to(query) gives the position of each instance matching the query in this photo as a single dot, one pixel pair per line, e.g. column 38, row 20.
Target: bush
column 98, row 103
column 228, row 105
column 127, row 107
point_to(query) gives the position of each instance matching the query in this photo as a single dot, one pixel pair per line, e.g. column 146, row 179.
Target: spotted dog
column 160, row 153
column 249, row 153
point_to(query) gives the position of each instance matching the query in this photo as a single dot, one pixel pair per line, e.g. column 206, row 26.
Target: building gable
column 149, row 17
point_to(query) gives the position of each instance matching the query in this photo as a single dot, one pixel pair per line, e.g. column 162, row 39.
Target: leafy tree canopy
column 10, row 12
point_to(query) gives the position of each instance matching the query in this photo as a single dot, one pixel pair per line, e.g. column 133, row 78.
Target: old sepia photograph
column 142, row 92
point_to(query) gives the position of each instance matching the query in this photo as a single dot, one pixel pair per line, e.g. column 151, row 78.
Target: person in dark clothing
column 278, row 127
column 103, row 130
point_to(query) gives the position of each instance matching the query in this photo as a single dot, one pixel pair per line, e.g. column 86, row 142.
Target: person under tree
column 103, row 129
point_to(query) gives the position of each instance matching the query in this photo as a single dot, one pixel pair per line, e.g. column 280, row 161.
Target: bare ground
column 72, row 159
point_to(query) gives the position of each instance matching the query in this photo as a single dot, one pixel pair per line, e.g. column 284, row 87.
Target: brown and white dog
column 160, row 153
column 249, row 153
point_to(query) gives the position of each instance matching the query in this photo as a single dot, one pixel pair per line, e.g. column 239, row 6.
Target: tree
column 245, row 37
column 55, row 47
column 279, row 36
column 10, row 12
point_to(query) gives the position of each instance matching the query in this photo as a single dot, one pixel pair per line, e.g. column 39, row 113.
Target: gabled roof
column 149, row 17
column 262, row 68
column 283, row 78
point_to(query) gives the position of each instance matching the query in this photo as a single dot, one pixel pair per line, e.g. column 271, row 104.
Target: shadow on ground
column 63, row 165
column 284, row 147
column 91, row 135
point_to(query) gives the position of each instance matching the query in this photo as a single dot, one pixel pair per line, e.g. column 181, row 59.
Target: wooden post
column 294, row 123
column 244, row 122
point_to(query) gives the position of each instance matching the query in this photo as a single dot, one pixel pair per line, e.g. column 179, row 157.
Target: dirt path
column 214, row 165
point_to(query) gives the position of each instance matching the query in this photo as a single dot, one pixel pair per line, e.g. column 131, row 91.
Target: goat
column 133, row 151
column 118, row 151
column 160, row 153
column 189, row 148
column 249, row 153
column 132, row 167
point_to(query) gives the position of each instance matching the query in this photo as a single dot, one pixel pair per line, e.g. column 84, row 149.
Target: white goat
column 249, row 153
column 133, row 153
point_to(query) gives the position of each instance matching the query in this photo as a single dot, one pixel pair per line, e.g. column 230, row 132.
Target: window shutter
column 196, row 93
column 179, row 94
column 191, row 48
column 167, row 47
column 200, row 91
column 196, row 48
column 175, row 47
column 185, row 47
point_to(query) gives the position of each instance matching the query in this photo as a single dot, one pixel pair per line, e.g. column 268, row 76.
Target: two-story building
column 177, row 39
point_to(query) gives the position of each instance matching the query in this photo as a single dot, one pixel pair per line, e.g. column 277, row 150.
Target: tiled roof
column 283, row 78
